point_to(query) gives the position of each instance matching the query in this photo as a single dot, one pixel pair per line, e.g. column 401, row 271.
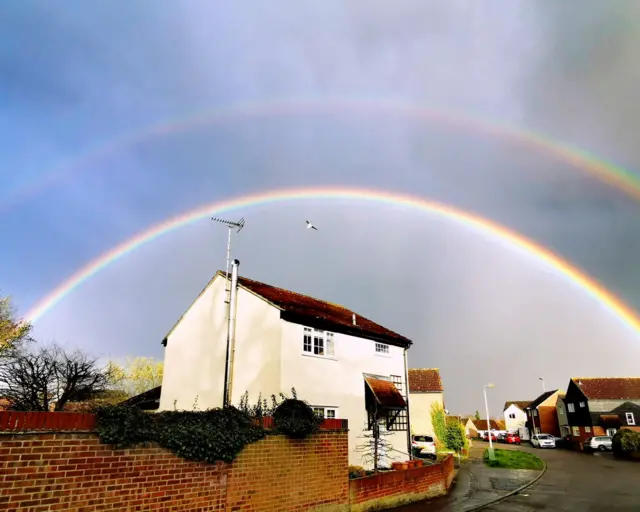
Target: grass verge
column 513, row 459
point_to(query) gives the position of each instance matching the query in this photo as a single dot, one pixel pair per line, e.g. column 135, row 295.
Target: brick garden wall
column 72, row 471
column 395, row 488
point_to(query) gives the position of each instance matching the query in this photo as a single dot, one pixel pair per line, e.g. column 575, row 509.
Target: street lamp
column 543, row 388
column 486, row 406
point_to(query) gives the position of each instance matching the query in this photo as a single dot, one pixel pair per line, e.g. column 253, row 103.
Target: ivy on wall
column 206, row 436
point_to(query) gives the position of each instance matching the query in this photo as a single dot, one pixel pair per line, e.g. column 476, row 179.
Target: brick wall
column 73, row 471
column 395, row 488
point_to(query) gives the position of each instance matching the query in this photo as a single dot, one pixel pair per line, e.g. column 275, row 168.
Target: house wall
column 194, row 360
column 420, row 411
column 563, row 422
column 339, row 382
column 580, row 416
column 513, row 424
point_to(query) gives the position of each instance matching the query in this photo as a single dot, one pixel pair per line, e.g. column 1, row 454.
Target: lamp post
column 486, row 406
column 543, row 388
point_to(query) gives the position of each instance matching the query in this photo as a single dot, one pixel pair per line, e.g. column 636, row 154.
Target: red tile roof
column 425, row 380
column 609, row 388
column 386, row 393
column 519, row 404
column 304, row 309
column 482, row 425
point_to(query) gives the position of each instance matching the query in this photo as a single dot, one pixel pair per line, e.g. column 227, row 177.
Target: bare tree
column 33, row 381
column 374, row 445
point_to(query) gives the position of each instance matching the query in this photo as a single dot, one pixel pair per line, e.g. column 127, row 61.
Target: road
column 578, row 482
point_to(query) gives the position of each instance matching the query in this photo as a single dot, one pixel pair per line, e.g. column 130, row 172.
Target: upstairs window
column 318, row 343
column 571, row 408
column 382, row 348
column 325, row 412
column 582, row 404
column 630, row 419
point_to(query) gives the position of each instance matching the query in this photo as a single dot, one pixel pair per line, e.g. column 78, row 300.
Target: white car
column 543, row 441
column 423, row 446
column 600, row 443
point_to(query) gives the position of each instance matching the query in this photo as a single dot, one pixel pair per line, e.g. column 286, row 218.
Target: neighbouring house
column 425, row 391
column 542, row 417
column 470, row 429
column 147, row 401
column 481, row 426
column 602, row 406
column 515, row 416
column 563, row 419
column 342, row 364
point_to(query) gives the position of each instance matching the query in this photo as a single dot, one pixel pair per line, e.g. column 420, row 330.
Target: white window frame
column 611, row 432
column 631, row 420
column 587, row 430
column 571, row 407
column 575, row 431
column 582, row 404
column 325, row 411
column 382, row 349
column 318, row 343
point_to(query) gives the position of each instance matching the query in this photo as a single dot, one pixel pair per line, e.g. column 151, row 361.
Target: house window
column 399, row 422
column 326, row 412
column 537, row 430
column 611, row 432
column 630, row 419
column 576, row 430
column 318, row 343
column 382, row 348
column 560, row 411
column 571, row 408
column 535, row 412
column 582, row 404
column 587, row 430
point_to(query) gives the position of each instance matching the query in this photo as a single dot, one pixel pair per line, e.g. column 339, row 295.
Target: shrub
column 296, row 418
column 357, row 472
column 625, row 442
column 455, row 438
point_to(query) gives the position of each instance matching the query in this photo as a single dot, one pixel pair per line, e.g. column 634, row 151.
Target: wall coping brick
column 26, row 422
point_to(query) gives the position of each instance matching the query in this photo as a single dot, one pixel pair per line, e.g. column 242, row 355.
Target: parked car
column 599, row 443
column 502, row 438
column 493, row 436
column 423, row 446
column 512, row 439
column 543, row 441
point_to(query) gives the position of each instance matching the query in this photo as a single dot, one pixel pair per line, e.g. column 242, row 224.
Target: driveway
column 577, row 482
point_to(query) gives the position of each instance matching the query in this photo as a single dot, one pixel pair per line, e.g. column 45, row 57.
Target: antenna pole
column 226, row 399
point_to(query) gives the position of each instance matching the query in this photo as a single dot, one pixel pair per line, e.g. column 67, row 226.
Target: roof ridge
column 294, row 293
column 603, row 378
column 416, row 369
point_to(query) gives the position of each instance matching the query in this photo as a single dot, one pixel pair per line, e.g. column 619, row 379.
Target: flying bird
column 311, row 226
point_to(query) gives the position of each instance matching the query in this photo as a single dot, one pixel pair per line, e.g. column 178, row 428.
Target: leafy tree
column 137, row 375
column 13, row 332
column 48, row 376
column 455, row 438
column 477, row 416
column 439, row 422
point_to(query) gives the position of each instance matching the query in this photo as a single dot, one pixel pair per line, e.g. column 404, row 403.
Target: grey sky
column 474, row 309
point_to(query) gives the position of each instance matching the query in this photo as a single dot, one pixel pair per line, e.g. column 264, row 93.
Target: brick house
column 602, row 406
column 425, row 391
column 542, row 415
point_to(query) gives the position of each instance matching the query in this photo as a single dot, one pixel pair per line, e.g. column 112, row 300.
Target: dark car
column 502, row 438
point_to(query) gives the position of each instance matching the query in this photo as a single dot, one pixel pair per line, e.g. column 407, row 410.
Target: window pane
column 319, row 411
column 330, row 347
column 331, row 413
column 306, row 343
column 318, row 345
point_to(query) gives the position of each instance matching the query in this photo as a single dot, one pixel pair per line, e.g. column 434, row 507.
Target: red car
column 512, row 439
column 493, row 437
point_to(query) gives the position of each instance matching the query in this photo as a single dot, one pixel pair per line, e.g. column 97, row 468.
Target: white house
column 515, row 416
column 335, row 359
column 425, row 391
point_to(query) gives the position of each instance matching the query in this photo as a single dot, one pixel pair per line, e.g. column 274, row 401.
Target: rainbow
column 578, row 158
column 463, row 218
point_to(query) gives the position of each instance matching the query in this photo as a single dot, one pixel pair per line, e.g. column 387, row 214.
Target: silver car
column 599, row 443
column 543, row 441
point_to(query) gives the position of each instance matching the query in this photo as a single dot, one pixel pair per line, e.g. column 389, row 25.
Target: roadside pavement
column 475, row 485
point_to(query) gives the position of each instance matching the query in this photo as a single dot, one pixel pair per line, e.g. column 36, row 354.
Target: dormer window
column 318, row 343
column 382, row 348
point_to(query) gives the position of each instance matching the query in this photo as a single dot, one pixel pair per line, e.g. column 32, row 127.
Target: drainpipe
column 406, row 380
column 231, row 334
